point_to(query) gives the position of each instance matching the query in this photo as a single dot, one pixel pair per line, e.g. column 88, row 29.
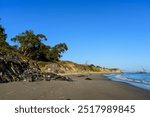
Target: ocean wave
column 136, row 79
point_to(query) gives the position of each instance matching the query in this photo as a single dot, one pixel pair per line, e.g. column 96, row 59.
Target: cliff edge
column 68, row 67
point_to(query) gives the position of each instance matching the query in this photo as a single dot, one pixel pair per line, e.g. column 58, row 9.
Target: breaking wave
column 141, row 80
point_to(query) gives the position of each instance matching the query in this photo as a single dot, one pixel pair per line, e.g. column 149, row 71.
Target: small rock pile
column 13, row 68
column 33, row 74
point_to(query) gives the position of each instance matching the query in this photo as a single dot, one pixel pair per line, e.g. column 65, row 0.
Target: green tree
column 31, row 46
column 29, row 43
column 4, row 46
column 55, row 53
column 42, row 54
column 3, row 37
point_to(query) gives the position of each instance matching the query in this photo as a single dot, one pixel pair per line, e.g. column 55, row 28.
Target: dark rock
column 81, row 75
column 62, row 78
column 13, row 68
column 88, row 79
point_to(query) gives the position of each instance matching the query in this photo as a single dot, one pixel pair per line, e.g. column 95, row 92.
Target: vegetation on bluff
column 31, row 46
column 3, row 36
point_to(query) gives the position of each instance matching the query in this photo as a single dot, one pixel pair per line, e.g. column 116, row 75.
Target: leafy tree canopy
column 3, row 37
column 28, row 42
column 31, row 45
column 56, row 51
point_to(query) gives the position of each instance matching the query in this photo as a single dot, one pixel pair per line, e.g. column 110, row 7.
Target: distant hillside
column 71, row 67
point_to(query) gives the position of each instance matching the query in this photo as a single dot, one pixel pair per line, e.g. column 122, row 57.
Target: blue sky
column 109, row 33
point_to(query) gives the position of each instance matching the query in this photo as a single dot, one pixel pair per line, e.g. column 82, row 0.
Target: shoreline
column 98, row 88
column 85, row 73
column 126, row 83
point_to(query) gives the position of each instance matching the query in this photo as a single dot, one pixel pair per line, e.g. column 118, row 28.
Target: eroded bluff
column 13, row 68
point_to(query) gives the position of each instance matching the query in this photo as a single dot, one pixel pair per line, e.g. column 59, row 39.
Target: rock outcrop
column 13, row 68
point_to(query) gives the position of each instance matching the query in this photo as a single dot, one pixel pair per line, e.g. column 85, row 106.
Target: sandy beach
column 99, row 88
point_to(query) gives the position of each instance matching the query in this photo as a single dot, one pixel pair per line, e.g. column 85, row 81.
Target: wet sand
column 99, row 88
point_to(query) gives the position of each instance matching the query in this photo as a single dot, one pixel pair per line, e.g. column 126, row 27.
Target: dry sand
column 99, row 88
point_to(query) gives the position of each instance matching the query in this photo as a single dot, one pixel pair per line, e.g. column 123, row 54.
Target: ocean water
column 141, row 80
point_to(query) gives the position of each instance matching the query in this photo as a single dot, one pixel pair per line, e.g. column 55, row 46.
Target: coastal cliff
column 68, row 67
column 15, row 68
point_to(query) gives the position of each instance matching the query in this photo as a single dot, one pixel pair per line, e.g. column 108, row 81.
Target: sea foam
column 141, row 80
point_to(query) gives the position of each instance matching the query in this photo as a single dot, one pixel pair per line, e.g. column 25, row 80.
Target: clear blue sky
column 109, row 33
